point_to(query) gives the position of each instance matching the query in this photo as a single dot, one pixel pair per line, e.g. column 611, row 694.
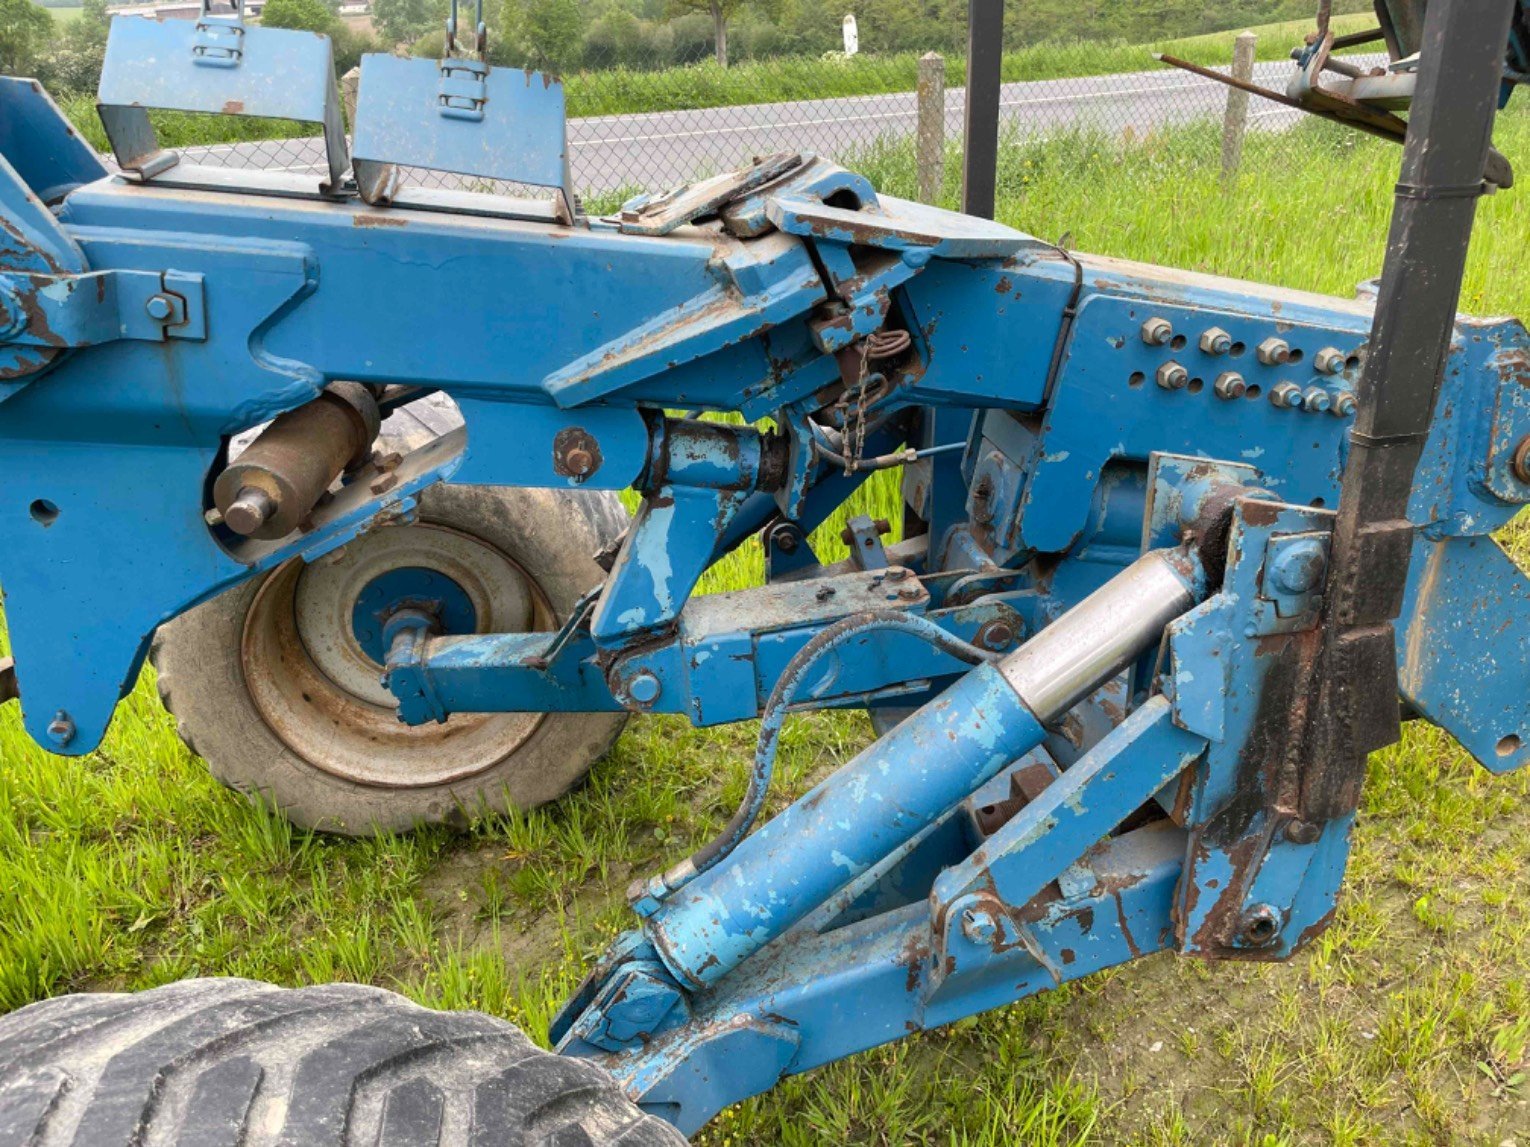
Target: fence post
column 980, row 128
column 930, row 147
column 1235, row 119
column 350, row 84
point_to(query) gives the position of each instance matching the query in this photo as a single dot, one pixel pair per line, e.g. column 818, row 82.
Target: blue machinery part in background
column 1172, row 520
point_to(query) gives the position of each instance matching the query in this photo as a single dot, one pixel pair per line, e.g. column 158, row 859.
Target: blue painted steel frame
column 1156, row 814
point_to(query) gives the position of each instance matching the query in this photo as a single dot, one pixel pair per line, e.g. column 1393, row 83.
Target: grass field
column 1408, row 1022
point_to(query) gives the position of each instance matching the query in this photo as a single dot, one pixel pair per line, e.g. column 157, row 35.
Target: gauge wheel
column 277, row 684
column 204, row 1062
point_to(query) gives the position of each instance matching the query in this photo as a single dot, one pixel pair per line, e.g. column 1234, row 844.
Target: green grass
column 618, row 91
column 1405, row 1023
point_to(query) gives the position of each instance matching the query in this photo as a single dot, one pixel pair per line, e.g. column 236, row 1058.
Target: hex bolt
column 1344, row 404
column 911, row 592
column 1274, row 352
column 1520, row 464
column 644, row 688
column 1303, row 831
column 1260, row 926
column 979, row 925
column 1172, row 376
column 1230, row 384
column 1299, row 567
column 159, row 307
column 579, row 462
column 1316, row 399
column 1216, row 341
column 783, row 536
column 61, row 729
column 1329, row 360
column 1157, row 332
column 1287, row 396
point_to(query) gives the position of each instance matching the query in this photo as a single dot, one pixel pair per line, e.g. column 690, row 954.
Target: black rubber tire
column 208, row 1063
column 552, row 535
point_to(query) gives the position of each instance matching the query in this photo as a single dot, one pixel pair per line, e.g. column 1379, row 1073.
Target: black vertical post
column 980, row 120
column 1449, row 132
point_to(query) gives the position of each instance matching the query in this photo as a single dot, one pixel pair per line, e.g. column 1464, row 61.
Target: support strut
column 1444, row 158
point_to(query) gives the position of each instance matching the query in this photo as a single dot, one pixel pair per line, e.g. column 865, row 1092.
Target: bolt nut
column 1157, row 332
column 61, row 729
column 1287, row 396
column 159, row 307
column 911, row 592
column 1343, row 405
column 579, row 462
column 1274, row 352
column 1299, row 567
column 644, row 688
column 1172, row 376
column 1216, row 341
column 1520, row 464
column 1230, row 385
column 1317, row 400
column 1329, row 360
column 785, row 538
column 1303, row 831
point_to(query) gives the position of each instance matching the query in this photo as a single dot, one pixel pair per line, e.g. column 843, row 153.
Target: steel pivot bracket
column 96, row 307
column 216, row 66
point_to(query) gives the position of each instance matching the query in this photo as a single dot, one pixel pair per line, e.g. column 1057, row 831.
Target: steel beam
column 980, row 115
column 1444, row 158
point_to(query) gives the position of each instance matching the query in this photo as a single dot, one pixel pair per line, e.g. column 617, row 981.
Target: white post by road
column 930, row 136
column 1235, row 119
column 852, row 36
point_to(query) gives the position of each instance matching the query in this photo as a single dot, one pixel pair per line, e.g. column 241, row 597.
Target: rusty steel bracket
column 9, row 691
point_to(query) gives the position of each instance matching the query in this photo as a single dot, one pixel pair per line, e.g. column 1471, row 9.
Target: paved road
column 660, row 149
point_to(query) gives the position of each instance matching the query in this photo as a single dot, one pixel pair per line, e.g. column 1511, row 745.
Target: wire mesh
column 651, row 104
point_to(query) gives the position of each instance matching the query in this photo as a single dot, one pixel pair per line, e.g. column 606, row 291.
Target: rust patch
column 378, row 221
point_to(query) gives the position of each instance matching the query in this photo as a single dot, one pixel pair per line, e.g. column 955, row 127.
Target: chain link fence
column 652, row 104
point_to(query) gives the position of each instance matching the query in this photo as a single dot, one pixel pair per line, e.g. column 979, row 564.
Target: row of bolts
column 1272, row 352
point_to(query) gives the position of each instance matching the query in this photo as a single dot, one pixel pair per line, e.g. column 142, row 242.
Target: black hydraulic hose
column 774, row 715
